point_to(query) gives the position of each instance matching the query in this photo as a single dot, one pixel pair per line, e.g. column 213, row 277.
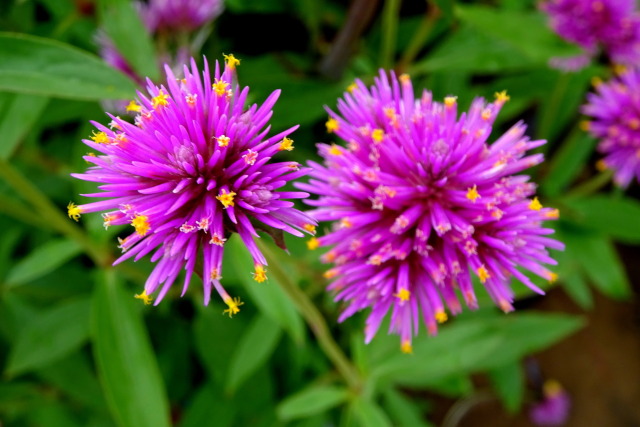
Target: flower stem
column 389, row 32
column 592, row 185
column 50, row 214
column 315, row 320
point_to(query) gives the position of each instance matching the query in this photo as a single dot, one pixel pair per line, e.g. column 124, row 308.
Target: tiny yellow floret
column 74, row 211
column 335, row 150
column 100, row 138
column 596, row 81
column 483, row 274
column 329, row 274
column 377, row 135
column 133, row 106
column 406, row 347
column 551, row 388
column 619, row 69
column 146, row 299
column 141, row 224
column 535, row 204
column 353, row 86
column 601, row 165
column 404, row 78
column 403, row 294
column 312, row 244
column 226, row 198
column 260, row 274
column 553, row 277
column 585, row 125
column 441, row 316
column 502, row 97
column 160, row 99
column 286, row 144
column 450, row 101
column 332, row 125
column 223, row 140
column 220, row 87
column 233, row 304
column 472, row 193
column 310, row 228
column 231, row 61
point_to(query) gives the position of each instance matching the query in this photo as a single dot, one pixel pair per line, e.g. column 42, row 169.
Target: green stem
column 389, row 32
column 51, row 214
column 419, row 39
column 592, row 185
column 315, row 320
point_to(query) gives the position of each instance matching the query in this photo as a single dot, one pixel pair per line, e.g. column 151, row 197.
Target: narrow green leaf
column 312, row 400
column 17, row 119
column 208, row 405
column 254, row 348
column 567, row 162
column 126, row 364
column 369, row 414
column 49, row 336
column 269, row 296
column 601, row 263
column 37, row 65
column 42, row 260
column 509, row 383
column 403, row 410
column 576, row 286
column 617, row 217
column 122, row 24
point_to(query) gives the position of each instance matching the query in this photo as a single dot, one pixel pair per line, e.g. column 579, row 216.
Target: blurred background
column 76, row 349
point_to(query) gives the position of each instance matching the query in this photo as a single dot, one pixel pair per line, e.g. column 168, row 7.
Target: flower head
column 425, row 204
column 179, row 15
column 554, row 408
column 615, row 112
column 183, row 192
column 610, row 25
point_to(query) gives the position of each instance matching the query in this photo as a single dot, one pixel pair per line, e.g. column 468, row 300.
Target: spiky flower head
column 611, row 26
column 166, row 16
column 421, row 202
column 553, row 408
column 614, row 108
column 194, row 168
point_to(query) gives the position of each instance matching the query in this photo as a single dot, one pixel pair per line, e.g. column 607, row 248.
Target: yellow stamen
column 226, row 198
column 335, row 150
column 353, row 86
column 601, row 165
column 535, row 204
column 346, row 223
column 483, row 274
column 502, row 97
column 619, row 69
column 472, row 193
column 160, row 99
column 220, row 87
column 223, row 140
column 312, row 244
column 233, row 304
column 231, row 61
column 551, row 388
column 403, row 294
column 329, row 274
column 585, row 125
column 377, row 135
column 310, row 228
column 133, row 106
column 406, row 347
column 552, row 214
column 441, row 316
column 217, row 240
column 450, row 101
column 404, row 78
column 146, row 299
column 286, row 144
column 100, row 138
column 486, row 114
column 141, row 224
column 215, row 274
column 74, row 211
column 332, row 125
column 552, row 277
column 260, row 274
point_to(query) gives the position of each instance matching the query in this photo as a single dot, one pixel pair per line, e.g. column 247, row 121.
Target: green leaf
column 567, row 162
column 576, row 286
column 36, row 65
column 600, row 261
column 126, row 364
column 312, row 400
column 208, row 405
column 269, row 297
column 509, row 383
column 20, row 113
column 254, row 348
column 49, row 336
column 403, row 410
column 43, row 260
column 122, row 24
column 369, row 414
column 474, row 345
column 617, row 217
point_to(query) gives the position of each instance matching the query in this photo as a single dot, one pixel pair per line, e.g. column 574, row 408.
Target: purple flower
column 166, row 16
column 421, row 203
column 554, row 408
column 615, row 112
column 193, row 169
column 610, row 25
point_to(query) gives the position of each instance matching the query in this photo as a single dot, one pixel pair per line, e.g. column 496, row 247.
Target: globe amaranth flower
column 553, row 409
column 421, row 202
column 195, row 167
column 614, row 109
column 166, row 16
column 612, row 26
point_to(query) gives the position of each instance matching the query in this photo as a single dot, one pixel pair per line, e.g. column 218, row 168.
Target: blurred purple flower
column 422, row 203
column 554, row 408
column 179, row 15
column 193, row 169
column 615, row 112
column 610, row 25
